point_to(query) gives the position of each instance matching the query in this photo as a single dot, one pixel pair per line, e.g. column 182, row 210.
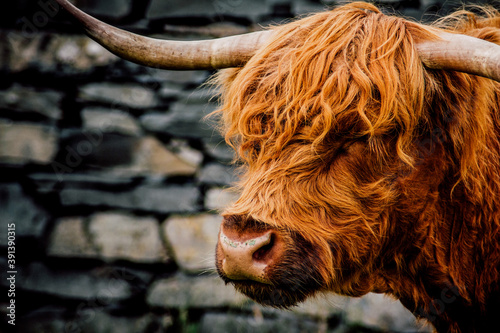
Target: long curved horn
column 461, row 53
column 224, row 52
column 454, row 52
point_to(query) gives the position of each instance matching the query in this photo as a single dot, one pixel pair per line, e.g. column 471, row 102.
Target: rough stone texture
column 25, row 143
column 26, row 99
column 219, row 150
column 193, row 240
column 80, row 53
column 180, row 79
column 28, row 48
column 306, row 7
column 182, row 149
column 105, row 120
column 378, row 311
column 51, row 182
column 322, row 306
column 18, row 208
column 125, row 155
column 170, row 199
column 214, row 323
column 109, row 8
column 128, row 95
column 90, row 320
column 86, row 148
column 122, row 236
column 217, row 174
column 219, row 198
column 72, row 284
column 182, row 120
column 149, row 156
column 200, row 95
column 193, row 292
column 170, row 91
column 70, row 239
column 178, row 8
column 189, row 292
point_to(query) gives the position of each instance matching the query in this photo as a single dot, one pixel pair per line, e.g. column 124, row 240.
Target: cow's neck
column 442, row 276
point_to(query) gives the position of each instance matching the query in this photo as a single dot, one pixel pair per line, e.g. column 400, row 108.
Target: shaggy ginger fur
column 388, row 171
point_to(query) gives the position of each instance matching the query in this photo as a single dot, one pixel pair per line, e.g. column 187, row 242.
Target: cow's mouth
column 272, row 267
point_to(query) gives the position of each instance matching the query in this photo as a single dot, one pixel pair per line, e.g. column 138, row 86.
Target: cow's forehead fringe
column 351, row 72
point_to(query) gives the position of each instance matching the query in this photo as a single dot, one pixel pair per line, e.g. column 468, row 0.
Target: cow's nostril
column 246, row 257
column 264, row 251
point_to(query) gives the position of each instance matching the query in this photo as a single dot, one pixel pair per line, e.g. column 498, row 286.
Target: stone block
column 321, row 306
column 77, row 54
column 20, row 49
column 200, row 95
column 115, row 9
column 22, row 143
column 252, row 11
column 305, row 7
column 17, row 208
column 227, row 322
column 108, row 236
column 93, row 148
column 126, row 94
column 91, row 319
column 124, row 156
column 54, row 53
column 149, row 156
column 219, row 198
column 103, row 322
column 182, row 149
column 106, row 120
column 192, row 240
column 51, row 182
column 217, row 174
column 122, row 236
column 47, row 323
column 193, row 292
column 170, row 91
column 378, row 311
column 150, row 198
column 183, row 120
column 100, row 286
column 219, row 150
column 28, row 100
column 70, row 239
column 179, row 79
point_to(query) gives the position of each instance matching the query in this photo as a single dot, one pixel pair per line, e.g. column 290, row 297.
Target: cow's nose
column 246, row 257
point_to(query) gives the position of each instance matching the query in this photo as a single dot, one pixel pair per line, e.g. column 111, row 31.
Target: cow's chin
column 281, row 294
column 267, row 295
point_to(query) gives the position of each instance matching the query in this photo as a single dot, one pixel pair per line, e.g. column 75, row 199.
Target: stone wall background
column 113, row 181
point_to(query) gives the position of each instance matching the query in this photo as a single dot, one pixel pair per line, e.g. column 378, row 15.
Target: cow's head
column 324, row 117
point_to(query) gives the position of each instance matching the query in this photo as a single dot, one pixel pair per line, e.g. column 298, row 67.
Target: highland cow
column 366, row 166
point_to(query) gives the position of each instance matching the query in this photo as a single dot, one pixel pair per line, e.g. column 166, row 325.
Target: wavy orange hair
column 382, row 164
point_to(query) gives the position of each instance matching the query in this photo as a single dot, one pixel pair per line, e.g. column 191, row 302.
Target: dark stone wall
column 110, row 180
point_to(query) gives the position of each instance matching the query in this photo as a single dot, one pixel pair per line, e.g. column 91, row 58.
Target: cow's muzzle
column 248, row 255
